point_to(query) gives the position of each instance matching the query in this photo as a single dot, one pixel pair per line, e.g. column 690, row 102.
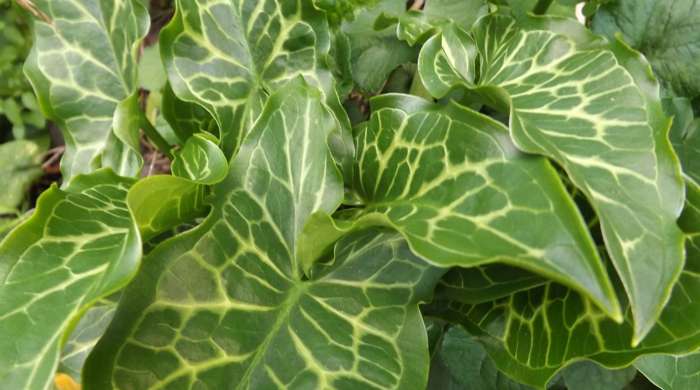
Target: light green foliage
column 83, row 68
column 84, row 337
column 200, row 160
column 512, row 216
column 532, row 334
column 328, row 327
column 79, row 245
column 415, row 25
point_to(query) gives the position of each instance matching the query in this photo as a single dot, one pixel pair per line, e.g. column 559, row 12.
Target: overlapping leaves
column 80, row 245
column 225, row 304
column 83, row 69
column 228, row 55
column 452, row 182
column 532, row 334
column 573, row 100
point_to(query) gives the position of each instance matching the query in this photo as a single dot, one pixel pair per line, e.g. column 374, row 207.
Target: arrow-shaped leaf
column 450, row 180
column 80, row 245
column 228, row 55
column 597, row 113
column 83, row 69
column 225, row 305
column 533, row 334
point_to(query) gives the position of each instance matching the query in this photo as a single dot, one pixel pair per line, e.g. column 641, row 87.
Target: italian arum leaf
column 227, row 55
column 596, row 112
column 532, row 334
column 225, row 304
column 163, row 202
column 200, row 160
column 79, row 245
column 666, row 32
column 451, row 181
column 83, row 69
column 20, row 165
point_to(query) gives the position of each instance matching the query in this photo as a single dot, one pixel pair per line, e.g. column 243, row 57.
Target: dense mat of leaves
column 361, row 194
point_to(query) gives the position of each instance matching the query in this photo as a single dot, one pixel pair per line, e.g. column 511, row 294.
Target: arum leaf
column 79, row 246
column 671, row 372
column 597, row 113
column 84, row 337
column 666, row 32
column 201, row 160
column 83, row 68
column 532, row 334
column 225, row 55
column 225, row 304
column 163, row 202
column 20, row 165
column 450, row 180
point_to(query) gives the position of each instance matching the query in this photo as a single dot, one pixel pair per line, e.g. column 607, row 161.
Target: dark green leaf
column 450, row 180
column 667, row 32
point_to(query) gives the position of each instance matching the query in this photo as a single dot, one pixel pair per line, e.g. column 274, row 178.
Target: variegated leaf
column 80, row 245
column 532, row 334
column 83, row 69
column 200, row 160
column 594, row 109
column 227, row 55
column 225, row 305
column 450, row 180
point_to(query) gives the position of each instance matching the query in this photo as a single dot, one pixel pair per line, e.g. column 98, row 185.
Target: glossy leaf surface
column 533, row 334
column 227, row 55
column 80, row 245
column 200, row 160
column 453, row 184
column 225, row 304
column 597, row 113
column 83, row 69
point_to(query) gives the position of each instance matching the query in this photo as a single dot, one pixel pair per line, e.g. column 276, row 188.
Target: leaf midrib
column 294, row 294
